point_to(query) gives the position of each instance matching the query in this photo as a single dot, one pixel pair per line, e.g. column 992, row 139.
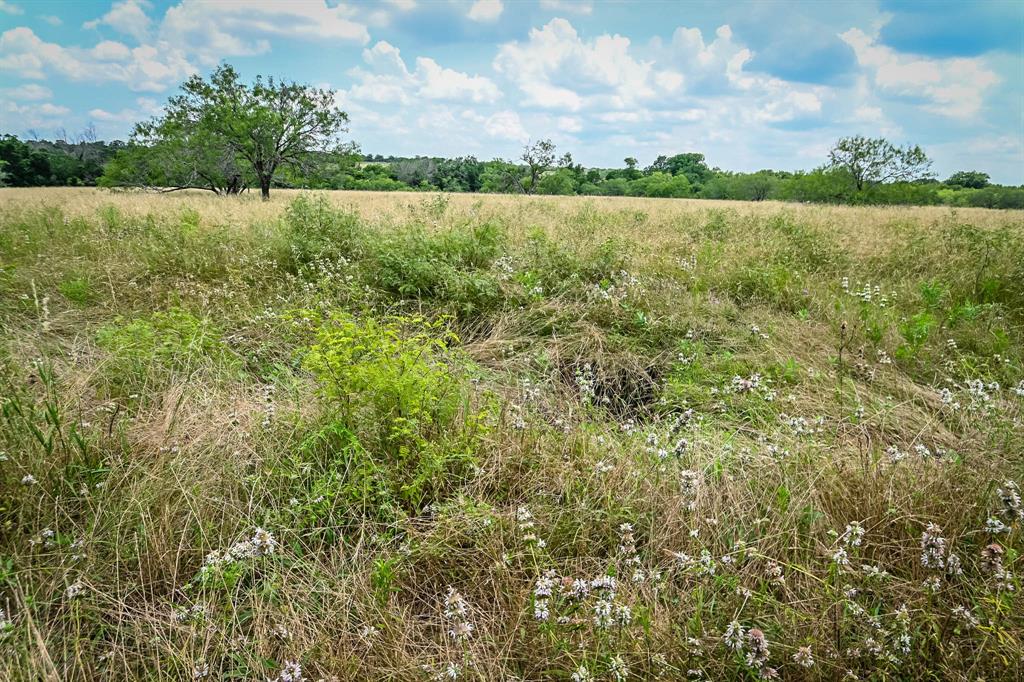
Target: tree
column 873, row 161
column 538, row 157
column 970, row 179
column 258, row 128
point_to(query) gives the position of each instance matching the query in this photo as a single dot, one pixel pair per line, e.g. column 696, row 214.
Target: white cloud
column 557, row 69
column 403, row 5
column 950, row 87
column 128, row 17
column 569, row 124
column 51, row 19
column 486, row 11
column 145, row 108
column 143, row 68
column 505, row 125
column 8, row 8
column 214, row 30
column 574, row 6
column 30, row 92
column 388, row 80
column 14, row 116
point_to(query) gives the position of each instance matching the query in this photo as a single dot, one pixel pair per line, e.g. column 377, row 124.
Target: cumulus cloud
column 572, row 6
column 128, row 17
column 951, row 87
column 486, row 11
column 504, row 125
column 30, row 92
column 31, row 115
column 9, row 8
column 557, row 69
column 144, row 68
column 386, row 80
column 145, row 107
column 213, row 30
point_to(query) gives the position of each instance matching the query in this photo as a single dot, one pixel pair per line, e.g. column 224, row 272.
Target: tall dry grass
column 407, row 436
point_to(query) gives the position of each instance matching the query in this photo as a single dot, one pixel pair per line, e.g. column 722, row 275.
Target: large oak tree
column 221, row 133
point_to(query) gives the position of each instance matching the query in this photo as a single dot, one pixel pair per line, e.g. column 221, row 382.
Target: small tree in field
column 258, row 129
column 873, row 161
column 970, row 179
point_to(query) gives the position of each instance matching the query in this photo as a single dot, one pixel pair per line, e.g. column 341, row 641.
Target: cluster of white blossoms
column 260, row 543
column 456, row 614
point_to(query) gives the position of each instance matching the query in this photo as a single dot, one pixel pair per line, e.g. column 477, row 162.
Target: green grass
column 747, row 418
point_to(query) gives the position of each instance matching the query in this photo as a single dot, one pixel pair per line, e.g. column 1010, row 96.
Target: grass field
column 369, row 436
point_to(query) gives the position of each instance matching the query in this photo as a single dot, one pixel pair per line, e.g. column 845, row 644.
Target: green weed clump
column 427, row 437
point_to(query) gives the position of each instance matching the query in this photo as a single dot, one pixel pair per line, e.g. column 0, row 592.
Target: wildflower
column 603, row 613
column 291, row 672
column 734, row 636
column 841, row 558
column 773, row 572
column 707, row 563
column 75, row 589
column 932, row 584
column 933, row 547
column 689, row 482
column 964, row 615
column 874, row 571
column 456, row 611
column 757, row 652
column 263, row 542
column 618, row 668
column 995, row 526
column 992, row 557
column 853, row 535
column 1009, row 495
column 804, row 657
column 200, row 671
column 542, row 594
column 28, row 479
column 895, row 454
column 582, row 674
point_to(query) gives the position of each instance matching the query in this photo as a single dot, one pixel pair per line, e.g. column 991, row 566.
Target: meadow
column 394, row 436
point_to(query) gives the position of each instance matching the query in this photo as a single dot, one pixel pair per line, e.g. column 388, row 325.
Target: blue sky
column 751, row 85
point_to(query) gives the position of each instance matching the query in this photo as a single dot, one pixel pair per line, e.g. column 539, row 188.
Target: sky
column 769, row 84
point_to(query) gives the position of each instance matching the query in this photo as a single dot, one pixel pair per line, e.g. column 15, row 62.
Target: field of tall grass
column 376, row 436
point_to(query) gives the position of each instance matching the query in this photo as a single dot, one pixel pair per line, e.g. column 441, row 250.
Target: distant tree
column 259, row 128
column 561, row 181
column 660, row 185
column 502, row 177
column 462, row 174
column 971, row 179
column 538, row 157
column 873, row 161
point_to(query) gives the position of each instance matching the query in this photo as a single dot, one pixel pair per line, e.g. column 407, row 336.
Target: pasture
column 417, row 436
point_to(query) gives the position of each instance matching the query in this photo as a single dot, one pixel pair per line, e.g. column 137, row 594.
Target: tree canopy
column 873, row 161
column 221, row 134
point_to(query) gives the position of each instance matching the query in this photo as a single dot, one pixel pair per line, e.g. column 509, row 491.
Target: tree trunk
column 265, row 188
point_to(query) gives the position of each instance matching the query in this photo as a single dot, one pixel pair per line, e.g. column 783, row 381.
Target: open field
column 418, row 436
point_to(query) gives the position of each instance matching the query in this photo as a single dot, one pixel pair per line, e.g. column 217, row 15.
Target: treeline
column 43, row 163
column 37, row 163
column 679, row 176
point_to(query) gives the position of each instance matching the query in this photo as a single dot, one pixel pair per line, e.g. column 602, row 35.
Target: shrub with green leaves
column 393, row 384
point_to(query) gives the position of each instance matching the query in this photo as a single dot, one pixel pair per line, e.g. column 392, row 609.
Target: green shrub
column 391, row 384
